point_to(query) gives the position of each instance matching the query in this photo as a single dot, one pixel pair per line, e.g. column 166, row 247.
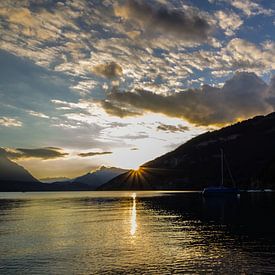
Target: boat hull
column 220, row 191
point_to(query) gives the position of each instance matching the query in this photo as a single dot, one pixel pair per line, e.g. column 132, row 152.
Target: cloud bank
column 189, row 25
column 45, row 153
column 241, row 97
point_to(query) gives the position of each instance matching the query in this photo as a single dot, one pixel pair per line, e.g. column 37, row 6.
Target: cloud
column 56, row 45
column 172, row 128
column 241, row 97
column 118, row 111
column 109, row 70
column 229, row 21
column 249, row 7
column 37, row 114
column 186, row 25
column 140, row 135
column 237, row 55
column 45, row 153
column 241, row 54
column 9, row 122
column 75, row 38
column 92, row 154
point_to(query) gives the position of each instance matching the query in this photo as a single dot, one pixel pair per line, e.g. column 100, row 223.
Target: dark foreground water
column 136, row 233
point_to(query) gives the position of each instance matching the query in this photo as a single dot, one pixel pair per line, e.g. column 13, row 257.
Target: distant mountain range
column 52, row 180
column 99, row 177
column 14, row 177
column 249, row 148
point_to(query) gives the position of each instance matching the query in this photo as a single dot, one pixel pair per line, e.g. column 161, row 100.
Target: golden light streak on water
column 133, row 216
column 148, row 232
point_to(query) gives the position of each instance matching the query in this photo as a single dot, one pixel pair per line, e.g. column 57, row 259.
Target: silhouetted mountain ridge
column 249, row 147
column 11, row 171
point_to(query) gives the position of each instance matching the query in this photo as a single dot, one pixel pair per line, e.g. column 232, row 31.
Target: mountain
column 249, row 147
column 52, row 180
column 99, row 177
column 11, row 171
column 14, row 177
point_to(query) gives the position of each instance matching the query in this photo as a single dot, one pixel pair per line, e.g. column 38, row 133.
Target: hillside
column 249, row 147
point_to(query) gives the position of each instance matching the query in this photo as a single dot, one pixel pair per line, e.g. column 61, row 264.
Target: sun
column 136, row 168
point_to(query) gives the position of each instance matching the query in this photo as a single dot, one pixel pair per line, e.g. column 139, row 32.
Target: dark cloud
column 91, row 154
column 241, row 97
column 172, row 128
column 140, row 135
column 119, row 111
column 188, row 25
column 118, row 124
column 110, row 70
column 41, row 153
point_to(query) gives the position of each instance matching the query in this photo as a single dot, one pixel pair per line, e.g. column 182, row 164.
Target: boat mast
column 222, row 166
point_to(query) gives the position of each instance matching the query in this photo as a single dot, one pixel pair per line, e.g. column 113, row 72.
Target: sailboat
column 221, row 190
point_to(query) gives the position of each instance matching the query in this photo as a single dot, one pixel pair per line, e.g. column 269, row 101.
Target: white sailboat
column 221, row 190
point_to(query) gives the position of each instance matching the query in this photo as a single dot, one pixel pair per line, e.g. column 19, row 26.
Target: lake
column 136, row 233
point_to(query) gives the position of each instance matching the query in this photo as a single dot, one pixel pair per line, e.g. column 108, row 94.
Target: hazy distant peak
column 54, row 179
column 99, row 176
column 104, row 168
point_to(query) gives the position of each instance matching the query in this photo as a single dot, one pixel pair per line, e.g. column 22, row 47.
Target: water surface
column 136, row 233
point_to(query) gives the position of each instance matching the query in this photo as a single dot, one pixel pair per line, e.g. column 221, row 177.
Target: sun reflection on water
column 133, row 216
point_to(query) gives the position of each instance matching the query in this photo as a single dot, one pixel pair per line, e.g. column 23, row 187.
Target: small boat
column 218, row 191
column 254, row 191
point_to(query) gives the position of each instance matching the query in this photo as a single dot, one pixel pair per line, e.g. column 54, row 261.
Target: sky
column 118, row 83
